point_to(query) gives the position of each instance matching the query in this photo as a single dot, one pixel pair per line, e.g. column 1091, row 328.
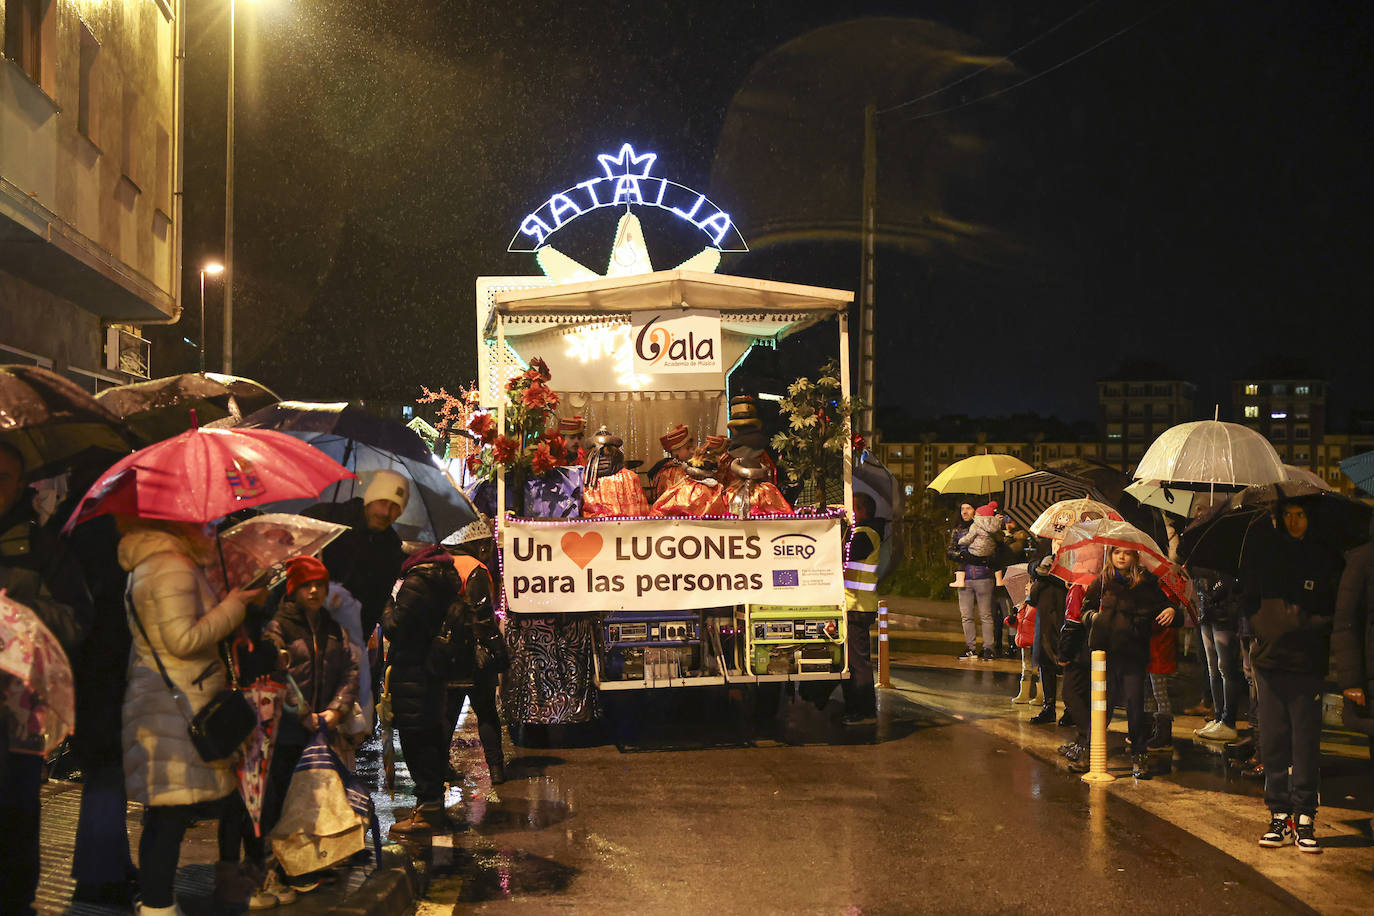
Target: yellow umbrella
column 979, row 474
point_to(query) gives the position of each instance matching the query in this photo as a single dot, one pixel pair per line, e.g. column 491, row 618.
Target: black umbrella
column 1220, row 539
column 1027, row 496
column 53, row 423
column 161, row 408
column 344, row 421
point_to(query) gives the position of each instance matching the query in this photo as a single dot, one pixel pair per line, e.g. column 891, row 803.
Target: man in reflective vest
column 861, row 610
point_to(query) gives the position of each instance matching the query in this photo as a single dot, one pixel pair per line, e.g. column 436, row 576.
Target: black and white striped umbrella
column 1027, row 496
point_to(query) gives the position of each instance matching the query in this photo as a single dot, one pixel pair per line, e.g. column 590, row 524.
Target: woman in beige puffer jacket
column 161, row 767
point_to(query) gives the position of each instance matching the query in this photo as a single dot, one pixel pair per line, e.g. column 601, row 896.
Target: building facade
column 90, row 183
column 1133, row 412
column 1290, row 413
column 916, row 464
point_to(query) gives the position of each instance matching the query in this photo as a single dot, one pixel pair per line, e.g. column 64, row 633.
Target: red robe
column 693, row 498
column 618, row 494
column 671, row 475
column 765, row 498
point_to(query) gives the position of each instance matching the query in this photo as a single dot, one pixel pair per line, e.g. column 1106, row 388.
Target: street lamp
column 214, row 269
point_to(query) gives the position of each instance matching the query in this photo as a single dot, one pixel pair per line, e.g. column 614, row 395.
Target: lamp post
column 213, row 269
column 229, row 213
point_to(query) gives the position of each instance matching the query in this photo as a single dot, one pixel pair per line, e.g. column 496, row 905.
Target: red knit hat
column 674, row 438
column 989, row 509
column 300, row 570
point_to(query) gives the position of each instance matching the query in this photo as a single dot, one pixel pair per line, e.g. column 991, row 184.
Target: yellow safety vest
column 861, row 576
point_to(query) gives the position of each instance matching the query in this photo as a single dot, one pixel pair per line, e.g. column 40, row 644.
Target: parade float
column 585, row 376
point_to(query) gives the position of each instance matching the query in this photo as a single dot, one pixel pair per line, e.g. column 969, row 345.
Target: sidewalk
column 360, row 890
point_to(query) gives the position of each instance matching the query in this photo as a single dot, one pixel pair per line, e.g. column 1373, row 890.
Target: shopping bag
column 325, row 814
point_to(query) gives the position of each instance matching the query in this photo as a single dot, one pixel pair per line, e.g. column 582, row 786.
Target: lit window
column 1251, row 410
column 910, row 489
column 1302, row 389
column 1252, row 389
column 1278, row 415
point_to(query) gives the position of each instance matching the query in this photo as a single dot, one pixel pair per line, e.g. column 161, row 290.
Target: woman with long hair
column 175, row 620
column 1121, row 608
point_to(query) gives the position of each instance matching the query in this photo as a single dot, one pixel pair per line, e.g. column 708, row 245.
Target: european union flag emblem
column 785, row 578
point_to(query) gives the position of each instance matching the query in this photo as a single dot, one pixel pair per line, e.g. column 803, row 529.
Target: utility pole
column 229, row 212
column 868, row 341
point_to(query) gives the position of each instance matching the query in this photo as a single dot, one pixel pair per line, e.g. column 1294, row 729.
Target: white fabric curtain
column 640, row 417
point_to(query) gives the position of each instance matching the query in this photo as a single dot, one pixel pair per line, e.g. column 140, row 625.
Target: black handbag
column 222, row 724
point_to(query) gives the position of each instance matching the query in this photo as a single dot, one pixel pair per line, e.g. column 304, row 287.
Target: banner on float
column 670, row 564
column 676, row 341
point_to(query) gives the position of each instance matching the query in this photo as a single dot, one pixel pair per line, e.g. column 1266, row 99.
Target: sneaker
column 970, row 654
column 1306, row 837
column 989, row 655
column 1280, row 832
column 273, row 893
column 304, row 884
column 859, row 718
column 1074, row 751
column 1252, row 768
column 1140, row 766
column 1216, row 730
column 1044, row 717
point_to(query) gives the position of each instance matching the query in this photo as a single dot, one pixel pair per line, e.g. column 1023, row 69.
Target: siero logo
column 794, row 545
column 656, row 343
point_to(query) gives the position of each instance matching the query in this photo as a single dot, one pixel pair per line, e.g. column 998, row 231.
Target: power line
column 1048, row 70
column 1001, row 60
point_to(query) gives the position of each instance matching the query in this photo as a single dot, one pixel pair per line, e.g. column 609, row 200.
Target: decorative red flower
column 541, row 369
column 484, row 427
column 539, row 397
column 474, row 462
column 503, row 450
column 541, row 459
column 558, row 446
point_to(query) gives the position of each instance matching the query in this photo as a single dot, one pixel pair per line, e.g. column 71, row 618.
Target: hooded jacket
column 324, row 661
column 430, row 583
column 184, row 626
column 1289, row 598
column 1352, row 640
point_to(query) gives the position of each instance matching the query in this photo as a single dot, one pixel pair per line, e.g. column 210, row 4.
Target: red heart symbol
column 581, row 548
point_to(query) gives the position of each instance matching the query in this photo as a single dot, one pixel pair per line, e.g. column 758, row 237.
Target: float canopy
column 749, row 308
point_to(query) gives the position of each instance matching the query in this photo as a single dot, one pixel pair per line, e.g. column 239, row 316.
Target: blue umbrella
column 1361, row 470
column 365, row 444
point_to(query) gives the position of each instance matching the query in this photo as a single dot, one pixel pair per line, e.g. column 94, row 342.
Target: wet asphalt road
column 685, row 807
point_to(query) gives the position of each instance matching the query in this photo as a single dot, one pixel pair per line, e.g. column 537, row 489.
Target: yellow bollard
column 1097, row 741
column 883, row 658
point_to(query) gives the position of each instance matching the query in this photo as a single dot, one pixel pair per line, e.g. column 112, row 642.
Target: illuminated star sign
column 627, row 182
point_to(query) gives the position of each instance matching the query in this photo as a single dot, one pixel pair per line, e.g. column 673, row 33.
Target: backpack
column 452, row 655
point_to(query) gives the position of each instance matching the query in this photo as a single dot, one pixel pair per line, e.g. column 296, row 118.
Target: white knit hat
column 473, row 531
column 388, row 485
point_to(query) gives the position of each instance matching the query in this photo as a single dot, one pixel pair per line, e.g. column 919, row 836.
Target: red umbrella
column 1083, row 552
column 205, row 474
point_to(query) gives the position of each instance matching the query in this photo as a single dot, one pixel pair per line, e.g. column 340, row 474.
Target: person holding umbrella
column 1289, row 594
column 37, row 573
column 1352, row 641
column 177, row 628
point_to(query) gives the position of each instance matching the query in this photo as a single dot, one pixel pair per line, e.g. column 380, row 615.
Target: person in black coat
column 430, row 677
column 1352, row 638
column 1121, row 608
column 1047, row 595
column 1218, row 599
column 1289, row 595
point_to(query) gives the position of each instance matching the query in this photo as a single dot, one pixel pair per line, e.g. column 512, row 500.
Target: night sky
column 1195, row 193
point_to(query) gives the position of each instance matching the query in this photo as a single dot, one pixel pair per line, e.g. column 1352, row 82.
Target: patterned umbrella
column 1026, row 497
column 1060, row 517
column 263, row 544
column 37, row 700
column 265, row 695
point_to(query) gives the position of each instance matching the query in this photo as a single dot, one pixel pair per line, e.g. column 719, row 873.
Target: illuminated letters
column 626, row 183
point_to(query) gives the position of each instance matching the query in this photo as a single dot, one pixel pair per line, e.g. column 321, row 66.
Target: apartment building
column 1289, row 412
column 90, row 178
column 1132, row 412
